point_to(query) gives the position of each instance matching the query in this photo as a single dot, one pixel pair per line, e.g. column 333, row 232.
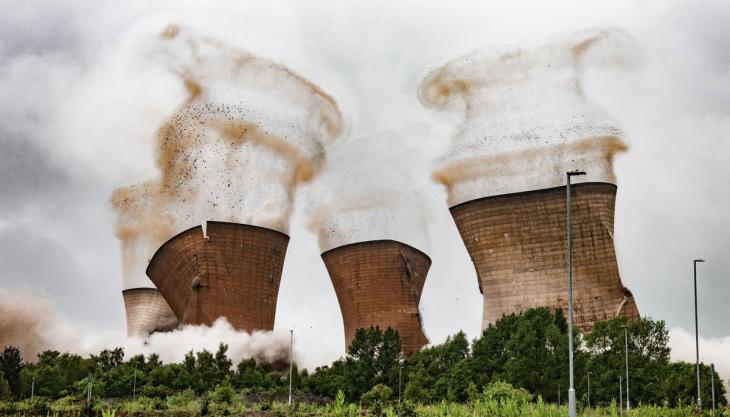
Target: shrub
column 183, row 401
column 377, row 398
column 223, row 393
column 502, row 392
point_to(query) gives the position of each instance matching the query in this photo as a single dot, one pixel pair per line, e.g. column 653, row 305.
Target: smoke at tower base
column 30, row 323
column 249, row 132
column 526, row 122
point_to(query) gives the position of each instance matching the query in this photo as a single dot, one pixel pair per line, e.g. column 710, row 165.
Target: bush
column 377, row 398
column 340, row 409
column 223, row 393
column 405, row 409
column 377, row 394
column 502, row 392
column 183, row 401
column 4, row 388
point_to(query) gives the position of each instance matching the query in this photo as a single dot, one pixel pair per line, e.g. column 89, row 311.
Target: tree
column 648, row 355
column 249, row 375
column 11, row 364
column 679, row 385
column 109, row 359
column 372, row 358
column 527, row 350
column 55, row 374
column 223, row 365
column 439, row 372
column 4, row 388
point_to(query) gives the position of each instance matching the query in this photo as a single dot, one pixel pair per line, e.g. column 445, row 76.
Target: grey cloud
column 28, row 175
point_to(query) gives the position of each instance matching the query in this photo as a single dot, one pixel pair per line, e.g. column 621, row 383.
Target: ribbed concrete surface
column 379, row 283
column 235, row 273
column 518, row 245
column 147, row 312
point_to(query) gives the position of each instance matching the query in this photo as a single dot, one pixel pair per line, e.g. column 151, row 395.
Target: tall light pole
column 291, row 361
column 589, row 389
column 571, row 389
column 134, row 384
column 712, row 382
column 697, row 337
column 620, row 397
column 626, row 351
column 400, row 378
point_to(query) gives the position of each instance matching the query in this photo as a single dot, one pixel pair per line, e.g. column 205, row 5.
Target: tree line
column 527, row 350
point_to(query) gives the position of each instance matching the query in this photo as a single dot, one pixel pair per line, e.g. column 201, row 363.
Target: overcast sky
column 79, row 108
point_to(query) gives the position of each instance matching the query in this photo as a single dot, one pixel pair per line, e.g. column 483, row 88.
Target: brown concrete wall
column 518, row 245
column 379, row 283
column 147, row 312
column 235, row 273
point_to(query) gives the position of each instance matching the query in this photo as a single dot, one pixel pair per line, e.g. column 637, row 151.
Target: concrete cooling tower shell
column 234, row 273
column 147, row 312
column 379, row 283
column 517, row 243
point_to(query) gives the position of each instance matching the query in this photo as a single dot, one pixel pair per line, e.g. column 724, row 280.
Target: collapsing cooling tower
column 527, row 122
column 147, row 312
column 234, row 272
column 379, row 283
column 518, row 245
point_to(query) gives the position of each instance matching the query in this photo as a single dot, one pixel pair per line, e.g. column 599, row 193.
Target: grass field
column 183, row 405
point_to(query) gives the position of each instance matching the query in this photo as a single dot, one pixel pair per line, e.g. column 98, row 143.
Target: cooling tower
column 518, row 245
column 147, row 312
column 234, row 272
column 527, row 120
column 379, row 283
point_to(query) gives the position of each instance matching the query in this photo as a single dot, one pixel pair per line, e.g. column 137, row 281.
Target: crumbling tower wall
column 234, row 272
column 379, row 283
column 518, row 245
column 526, row 122
column 147, row 312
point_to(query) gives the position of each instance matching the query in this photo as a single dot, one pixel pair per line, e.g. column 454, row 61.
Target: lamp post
column 400, row 378
column 589, row 389
column 134, row 384
column 620, row 397
column 697, row 337
column 626, row 351
column 712, row 382
column 291, row 360
column 571, row 389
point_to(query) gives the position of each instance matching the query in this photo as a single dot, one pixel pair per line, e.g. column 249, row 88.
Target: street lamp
column 134, row 383
column 620, row 397
column 400, row 378
column 626, row 351
column 697, row 337
column 571, row 389
column 712, row 382
column 291, row 360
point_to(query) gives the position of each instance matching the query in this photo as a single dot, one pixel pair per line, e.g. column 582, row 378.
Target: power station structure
column 232, row 270
column 517, row 243
column 526, row 122
column 147, row 312
column 379, row 283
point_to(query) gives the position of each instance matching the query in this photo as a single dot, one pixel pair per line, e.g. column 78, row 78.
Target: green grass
column 185, row 404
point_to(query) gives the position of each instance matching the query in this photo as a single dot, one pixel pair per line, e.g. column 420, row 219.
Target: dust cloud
column 30, row 323
column 525, row 117
column 248, row 134
column 367, row 191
